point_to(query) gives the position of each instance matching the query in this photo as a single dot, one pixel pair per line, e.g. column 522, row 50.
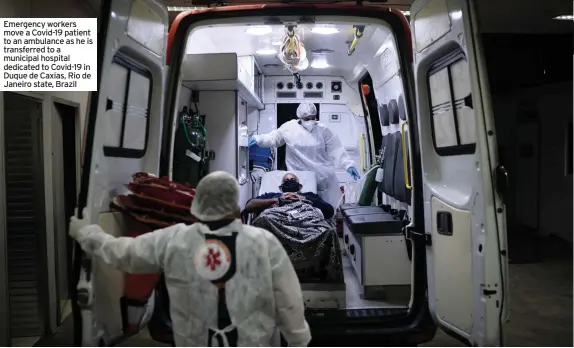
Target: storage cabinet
column 376, row 249
column 223, row 72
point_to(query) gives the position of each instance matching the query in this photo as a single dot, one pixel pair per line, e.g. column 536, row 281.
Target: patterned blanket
column 310, row 240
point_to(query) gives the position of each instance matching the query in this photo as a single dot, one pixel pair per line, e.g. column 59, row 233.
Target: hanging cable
column 358, row 34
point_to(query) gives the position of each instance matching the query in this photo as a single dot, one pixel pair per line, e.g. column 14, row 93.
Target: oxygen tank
column 189, row 147
column 369, row 187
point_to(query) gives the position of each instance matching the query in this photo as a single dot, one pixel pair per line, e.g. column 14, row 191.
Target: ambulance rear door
column 463, row 183
column 122, row 137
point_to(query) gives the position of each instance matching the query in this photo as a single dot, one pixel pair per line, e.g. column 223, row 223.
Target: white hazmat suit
column 261, row 292
column 311, row 146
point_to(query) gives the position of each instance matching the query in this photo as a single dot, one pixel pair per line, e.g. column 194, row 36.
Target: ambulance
column 410, row 97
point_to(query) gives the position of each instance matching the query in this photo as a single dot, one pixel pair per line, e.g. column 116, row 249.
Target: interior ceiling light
column 259, row 30
column 320, row 64
column 266, row 51
column 324, row 30
column 406, row 13
column 564, row 18
column 276, row 42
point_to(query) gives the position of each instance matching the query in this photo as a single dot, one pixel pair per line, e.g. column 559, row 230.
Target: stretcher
column 316, row 295
column 152, row 203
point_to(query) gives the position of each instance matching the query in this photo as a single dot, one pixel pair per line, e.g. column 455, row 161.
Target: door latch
column 444, row 223
column 418, row 237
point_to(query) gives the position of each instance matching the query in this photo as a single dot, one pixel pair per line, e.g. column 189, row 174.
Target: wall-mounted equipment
column 313, row 95
column 336, row 87
column 305, row 88
column 334, row 118
column 223, row 72
column 287, row 95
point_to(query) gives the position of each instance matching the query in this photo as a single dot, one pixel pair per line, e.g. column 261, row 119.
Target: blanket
column 310, row 240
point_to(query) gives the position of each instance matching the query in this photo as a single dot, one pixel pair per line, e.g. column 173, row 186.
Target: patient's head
column 290, row 183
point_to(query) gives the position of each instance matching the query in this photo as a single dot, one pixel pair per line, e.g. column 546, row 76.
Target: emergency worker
column 311, row 146
column 229, row 284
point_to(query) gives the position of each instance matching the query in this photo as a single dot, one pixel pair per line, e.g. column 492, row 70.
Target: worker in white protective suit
column 311, row 146
column 229, row 284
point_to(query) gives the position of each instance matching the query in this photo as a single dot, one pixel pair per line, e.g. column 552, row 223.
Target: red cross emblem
column 212, row 260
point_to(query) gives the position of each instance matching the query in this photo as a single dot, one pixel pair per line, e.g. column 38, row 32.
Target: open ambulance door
column 464, row 213
column 122, row 137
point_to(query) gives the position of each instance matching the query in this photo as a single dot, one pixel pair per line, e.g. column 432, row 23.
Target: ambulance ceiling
column 327, row 53
column 495, row 16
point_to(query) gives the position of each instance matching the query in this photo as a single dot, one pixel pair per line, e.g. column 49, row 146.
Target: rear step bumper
column 352, row 327
column 374, row 327
column 335, row 317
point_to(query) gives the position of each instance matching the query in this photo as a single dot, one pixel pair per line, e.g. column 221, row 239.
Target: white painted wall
column 184, row 98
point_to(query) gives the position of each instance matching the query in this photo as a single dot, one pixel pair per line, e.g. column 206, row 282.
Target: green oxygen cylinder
column 369, row 187
column 189, row 145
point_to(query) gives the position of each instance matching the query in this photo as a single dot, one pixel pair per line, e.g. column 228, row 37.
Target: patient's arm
column 319, row 203
column 262, row 202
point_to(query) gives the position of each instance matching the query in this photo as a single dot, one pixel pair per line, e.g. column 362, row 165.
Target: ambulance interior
column 233, row 84
column 234, row 79
column 241, row 76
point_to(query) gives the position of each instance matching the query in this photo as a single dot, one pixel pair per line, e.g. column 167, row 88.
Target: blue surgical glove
column 353, row 173
column 251, row 141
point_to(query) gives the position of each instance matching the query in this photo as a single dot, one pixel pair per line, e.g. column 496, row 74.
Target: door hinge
column 419, row 237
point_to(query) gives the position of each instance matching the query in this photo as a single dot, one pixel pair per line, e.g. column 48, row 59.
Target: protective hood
column 306, row 110
column 216, row 197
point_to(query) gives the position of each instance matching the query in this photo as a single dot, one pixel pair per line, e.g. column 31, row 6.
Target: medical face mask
column 309, row 125
column 290, row 186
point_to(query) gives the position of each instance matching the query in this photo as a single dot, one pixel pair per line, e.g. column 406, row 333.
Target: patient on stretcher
column 290, row 190
column 303, row 223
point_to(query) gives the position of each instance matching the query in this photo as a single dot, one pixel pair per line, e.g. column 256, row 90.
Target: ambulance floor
column 540, row 307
